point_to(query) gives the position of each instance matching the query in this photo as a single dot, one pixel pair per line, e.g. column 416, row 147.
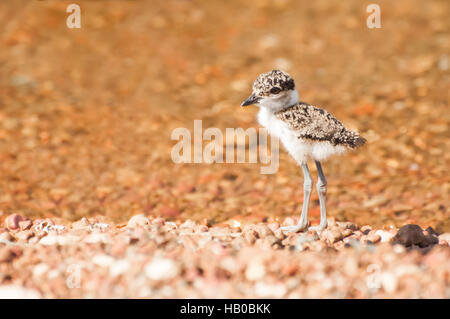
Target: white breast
column 301, row 150
column 298, row 149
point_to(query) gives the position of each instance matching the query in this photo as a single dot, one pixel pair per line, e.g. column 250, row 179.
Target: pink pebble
column 12, row 221
column 25, row 224
column 158, row 221
column 274, row 226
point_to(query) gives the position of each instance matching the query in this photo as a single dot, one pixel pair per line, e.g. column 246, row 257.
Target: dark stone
column 432, row 240
column 431, row 231
column 412, row 234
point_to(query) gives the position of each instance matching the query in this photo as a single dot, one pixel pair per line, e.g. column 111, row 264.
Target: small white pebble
column 40, row 269
column 270, row 290
column 97, row 238
column 49, row 240
column 399, row 249
column 103, row 260
column 255, row 270
column 385, row 235
column 389, row 282
column 161, row 269
column 119, row 267
column 54, row 273
column 68, row 239
column 138, row 220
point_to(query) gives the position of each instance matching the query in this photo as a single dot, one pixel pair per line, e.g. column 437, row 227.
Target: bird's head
column 274, row 90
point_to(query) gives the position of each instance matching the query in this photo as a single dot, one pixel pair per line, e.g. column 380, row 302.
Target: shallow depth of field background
column 86, row 114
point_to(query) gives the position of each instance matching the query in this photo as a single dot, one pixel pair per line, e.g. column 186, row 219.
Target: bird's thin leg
column 322, row 190
column 307, row 187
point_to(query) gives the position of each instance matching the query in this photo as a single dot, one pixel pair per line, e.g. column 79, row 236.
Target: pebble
column 81, row 224
column 119, row 267
column 291, row 239
column 118, row 248
column 366, row 229
column 346, row 232
column 399, row 249
column 188, row 224
column 412, row 234
column 97, row 238
column 279, row 234
column 331, row 221
column 201, row 229
column 171, row 225
column 6, row 255
column 103, row 260
column 40, row 269
column 265, row 290
column 161, row 269
column 138, row 220
column 25, row 224
column 255, row 270
column 251, row 236
column 350, row 266
column 263, row 230
column 98, row 227
column 158, row 221
column 274, row 226
column 68, row 239
column 347, row 225
column 236, row 224
column 443, row 237
column 389, row 282
column 6, row 237
column 304, row 239
column 289, row 221
column 49, row 240
column 13, row 220
column 270, row 242
column 373, row 238
column 331, row 235
column 25, row 235
column 386, row 237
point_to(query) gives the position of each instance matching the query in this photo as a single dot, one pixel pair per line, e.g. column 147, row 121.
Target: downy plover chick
column 307, row 132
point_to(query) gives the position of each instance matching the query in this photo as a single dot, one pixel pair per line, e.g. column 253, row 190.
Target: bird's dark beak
column 252, row 99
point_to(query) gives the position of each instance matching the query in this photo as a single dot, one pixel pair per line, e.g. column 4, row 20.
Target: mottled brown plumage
column 277, row 79
column 315, row 124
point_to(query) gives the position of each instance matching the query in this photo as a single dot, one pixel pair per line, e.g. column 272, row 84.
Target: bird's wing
column 315, row 124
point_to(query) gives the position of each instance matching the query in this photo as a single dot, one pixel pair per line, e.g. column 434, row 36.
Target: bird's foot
column 318, row 228
column 294, row 229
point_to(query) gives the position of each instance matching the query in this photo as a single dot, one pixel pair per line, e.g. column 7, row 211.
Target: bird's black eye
column 275, row 90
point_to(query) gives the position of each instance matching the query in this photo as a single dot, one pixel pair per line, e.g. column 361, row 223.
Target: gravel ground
column 86, row 118
column 155, row 258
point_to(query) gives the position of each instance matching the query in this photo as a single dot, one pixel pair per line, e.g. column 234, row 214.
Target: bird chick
column 307, row 133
